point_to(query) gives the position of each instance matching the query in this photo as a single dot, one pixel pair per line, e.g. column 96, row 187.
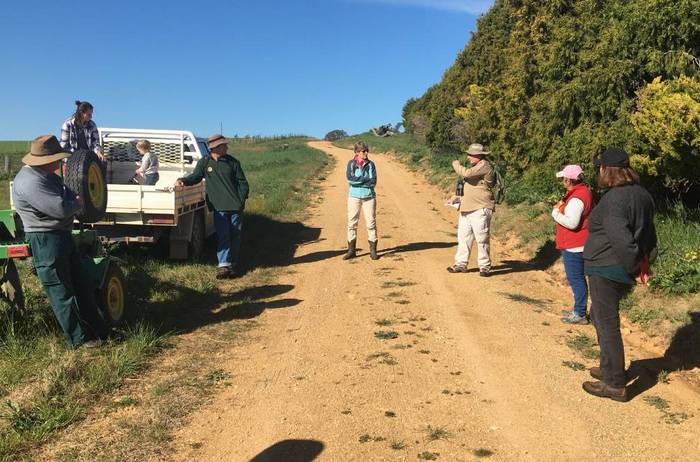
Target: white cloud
column 462, row 6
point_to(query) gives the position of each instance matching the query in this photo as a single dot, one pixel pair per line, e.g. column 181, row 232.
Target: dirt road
column 473, row 372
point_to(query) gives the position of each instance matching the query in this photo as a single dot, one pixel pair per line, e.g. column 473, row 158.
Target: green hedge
column 546, row 83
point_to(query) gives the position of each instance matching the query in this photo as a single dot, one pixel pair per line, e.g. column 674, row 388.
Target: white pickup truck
column 138, row 213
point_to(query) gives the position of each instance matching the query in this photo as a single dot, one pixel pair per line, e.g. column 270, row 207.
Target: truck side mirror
column 188, row 158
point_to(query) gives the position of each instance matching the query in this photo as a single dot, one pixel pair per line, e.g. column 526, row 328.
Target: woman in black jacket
column 620, row 244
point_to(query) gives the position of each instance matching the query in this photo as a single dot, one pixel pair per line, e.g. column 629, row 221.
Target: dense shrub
column 667, row 120
column 549, row 82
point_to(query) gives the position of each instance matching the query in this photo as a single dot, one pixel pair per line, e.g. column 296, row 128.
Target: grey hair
column 361, row 146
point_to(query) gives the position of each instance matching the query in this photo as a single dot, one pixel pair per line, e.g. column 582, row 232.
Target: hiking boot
column 92, row 343
column 573, row 318
column 457, row 269
column 223, row 272
column 484, row 273
column 351, row 250
column 601, row 390
column 373, row 250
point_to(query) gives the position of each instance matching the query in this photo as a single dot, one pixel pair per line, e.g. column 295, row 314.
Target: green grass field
column 436, row 167
column 45, row 386
column 400, row 143
column 15, row 150
column 14, row 147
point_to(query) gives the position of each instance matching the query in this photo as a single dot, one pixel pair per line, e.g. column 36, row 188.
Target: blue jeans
column 573, row 264
column 151, row 179
column 228, row 237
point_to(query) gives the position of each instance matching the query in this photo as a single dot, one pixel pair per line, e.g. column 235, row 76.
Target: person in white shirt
column 149, row 163
column 571, row 217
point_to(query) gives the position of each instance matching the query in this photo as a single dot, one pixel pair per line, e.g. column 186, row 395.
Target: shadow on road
column 187, row 309
column 318, row 256
column 290, row 451
column 266, row 243
column 543, row 259
column 416, row 247
column 682, row 354
column 269, row 243
column 413, row 247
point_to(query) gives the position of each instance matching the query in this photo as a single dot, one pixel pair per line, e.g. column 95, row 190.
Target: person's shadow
column 187, row 309
column 290, row 451
column 412, row 247
column 545, row 257
column 416, row 247
column 682, row 354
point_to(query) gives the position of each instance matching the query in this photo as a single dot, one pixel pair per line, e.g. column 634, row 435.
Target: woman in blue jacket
column 361, row 175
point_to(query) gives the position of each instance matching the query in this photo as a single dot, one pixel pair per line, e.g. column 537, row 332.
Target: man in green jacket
column 226, row 192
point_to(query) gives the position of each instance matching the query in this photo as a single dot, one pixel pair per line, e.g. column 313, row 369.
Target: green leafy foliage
column 677, row 268
column 667, row 120
column 547, row 83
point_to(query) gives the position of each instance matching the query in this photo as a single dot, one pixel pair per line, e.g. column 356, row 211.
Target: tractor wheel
column 84, row 174
column 111, row 296
column 196, row 247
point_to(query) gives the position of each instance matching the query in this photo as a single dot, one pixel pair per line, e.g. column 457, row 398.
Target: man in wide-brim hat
column 227, row 191
column 475, row 209
column 46, row 208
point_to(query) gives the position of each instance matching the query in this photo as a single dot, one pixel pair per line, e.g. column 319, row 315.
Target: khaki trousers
column 474, row 225
column 369, row 210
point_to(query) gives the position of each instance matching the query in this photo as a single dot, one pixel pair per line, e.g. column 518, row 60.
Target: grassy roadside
column 14, row 150
column 670, row 303
column 415, row 155
column 140, row 389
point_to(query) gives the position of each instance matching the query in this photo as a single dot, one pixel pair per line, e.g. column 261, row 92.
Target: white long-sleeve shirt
column 571, row 217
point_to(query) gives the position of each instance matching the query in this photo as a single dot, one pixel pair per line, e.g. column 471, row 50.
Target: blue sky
column 258, row 67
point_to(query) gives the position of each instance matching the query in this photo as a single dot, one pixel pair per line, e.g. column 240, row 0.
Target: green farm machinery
column 103, row 269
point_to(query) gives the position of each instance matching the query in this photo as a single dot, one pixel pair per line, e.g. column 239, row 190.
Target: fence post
column 7, row 163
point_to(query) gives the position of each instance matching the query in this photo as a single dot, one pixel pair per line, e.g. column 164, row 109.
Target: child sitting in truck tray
column 149, row 163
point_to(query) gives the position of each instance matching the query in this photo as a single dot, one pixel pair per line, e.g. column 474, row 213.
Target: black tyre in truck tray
column 84, row 174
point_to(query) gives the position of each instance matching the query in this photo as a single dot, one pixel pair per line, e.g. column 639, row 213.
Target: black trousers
column 605, row 313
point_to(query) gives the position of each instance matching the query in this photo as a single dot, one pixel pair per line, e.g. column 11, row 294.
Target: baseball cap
column 572, row 172
column 613, row 157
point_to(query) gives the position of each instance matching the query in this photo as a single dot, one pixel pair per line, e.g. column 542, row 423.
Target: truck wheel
column 112, row 296
column 83, row 173
column 196, row 248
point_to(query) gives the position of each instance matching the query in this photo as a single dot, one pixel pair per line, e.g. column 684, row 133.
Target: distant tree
column 335, row 135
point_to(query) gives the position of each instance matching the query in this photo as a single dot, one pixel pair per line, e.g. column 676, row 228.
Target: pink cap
column 572, row 172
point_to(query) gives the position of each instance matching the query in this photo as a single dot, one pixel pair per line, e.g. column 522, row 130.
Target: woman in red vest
column 571, row 216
